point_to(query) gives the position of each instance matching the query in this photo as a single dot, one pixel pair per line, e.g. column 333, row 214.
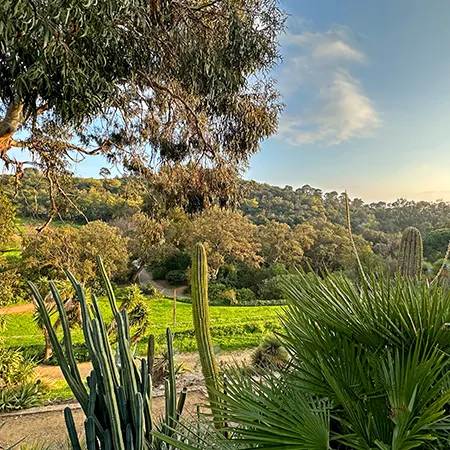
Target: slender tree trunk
column 48, row 346
column 8, row 126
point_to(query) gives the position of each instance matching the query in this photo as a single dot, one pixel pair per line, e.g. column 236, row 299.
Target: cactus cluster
column 117, row 399
column 200, row 311
column 411, row 253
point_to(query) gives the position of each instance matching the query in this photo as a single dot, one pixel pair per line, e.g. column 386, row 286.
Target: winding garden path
column 17, row 309
column 146, row 278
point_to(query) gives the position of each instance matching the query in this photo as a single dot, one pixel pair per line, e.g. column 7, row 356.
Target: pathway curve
column 145, row 278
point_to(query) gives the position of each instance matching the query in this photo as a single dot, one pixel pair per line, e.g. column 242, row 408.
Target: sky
column 366, row 86
column 367, row 93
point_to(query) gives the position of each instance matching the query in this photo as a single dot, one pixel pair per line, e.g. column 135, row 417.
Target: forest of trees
column 268, row 233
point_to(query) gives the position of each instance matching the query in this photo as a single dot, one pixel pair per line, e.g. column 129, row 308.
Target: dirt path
column 146, row 277
column 190, row 362
column 17, row 309
column 53, row 373
column 49, row 427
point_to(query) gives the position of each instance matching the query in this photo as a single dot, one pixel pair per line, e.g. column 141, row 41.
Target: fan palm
column 369, row 370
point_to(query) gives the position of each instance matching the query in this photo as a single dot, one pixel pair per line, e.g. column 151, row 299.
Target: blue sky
column 367, row 91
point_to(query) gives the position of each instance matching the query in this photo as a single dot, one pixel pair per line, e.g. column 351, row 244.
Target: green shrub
column 272, row 288
column 179, row 260
column 253, row 277
column 227, row 275
column 14, row 368
column 219, row 294
column 176, row 277
column 245, row 296
column 159, row 272
column 11, row 287
column 148, row 290
column 18, row 389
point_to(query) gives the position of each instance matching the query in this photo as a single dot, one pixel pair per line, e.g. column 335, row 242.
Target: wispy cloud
column 340, row 109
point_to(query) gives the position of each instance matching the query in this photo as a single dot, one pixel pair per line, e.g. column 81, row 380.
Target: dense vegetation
column 366, row 368
column 271, row 231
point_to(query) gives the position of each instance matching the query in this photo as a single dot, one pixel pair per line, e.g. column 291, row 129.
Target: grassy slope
column 233, row 327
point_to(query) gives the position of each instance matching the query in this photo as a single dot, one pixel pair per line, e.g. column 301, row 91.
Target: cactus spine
column 411, row 253
column 118, row 397
column 200, row 310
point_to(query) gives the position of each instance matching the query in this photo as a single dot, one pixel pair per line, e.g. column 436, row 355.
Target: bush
column 227, row 275
column 148, row 290
column 245, row 296
column 219, row 294
column 11, row 287
column 159, row 272
column 178, row 261
column 14, row 368
column 270, row 353
column 176, row 277
column 18, row 389
column 272, row 289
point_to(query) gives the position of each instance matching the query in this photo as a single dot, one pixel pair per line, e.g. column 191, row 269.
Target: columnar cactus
column 200, row 310
column 118, row 396
column 411, row 253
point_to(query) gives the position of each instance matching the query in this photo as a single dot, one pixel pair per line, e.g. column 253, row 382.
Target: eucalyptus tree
column 140, row 82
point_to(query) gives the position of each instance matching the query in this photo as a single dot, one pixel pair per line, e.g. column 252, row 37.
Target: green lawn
column 232, row 327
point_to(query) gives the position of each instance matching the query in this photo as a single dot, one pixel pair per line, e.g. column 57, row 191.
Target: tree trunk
column 48, row 346
column 8, row 126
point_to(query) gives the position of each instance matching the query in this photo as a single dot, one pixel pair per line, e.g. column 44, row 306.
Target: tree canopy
column 141, row 82
column 54, row 250
column 228, row 237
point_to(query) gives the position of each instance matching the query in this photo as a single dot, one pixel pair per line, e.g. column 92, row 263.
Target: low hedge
column 250, row 303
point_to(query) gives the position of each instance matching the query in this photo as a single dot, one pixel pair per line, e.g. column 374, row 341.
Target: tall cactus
column 411, row 253
column 118, row 397
column 200, row 311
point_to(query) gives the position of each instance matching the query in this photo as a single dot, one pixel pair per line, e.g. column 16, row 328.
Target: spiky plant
column 117, row 398
column 411, row 253
column 270, row 353
column 138, row 313
column 71, row 306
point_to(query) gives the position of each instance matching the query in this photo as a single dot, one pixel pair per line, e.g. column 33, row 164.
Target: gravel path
column 46, row 425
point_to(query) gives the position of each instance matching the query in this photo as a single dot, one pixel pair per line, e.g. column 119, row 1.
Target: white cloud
column 340, row 109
